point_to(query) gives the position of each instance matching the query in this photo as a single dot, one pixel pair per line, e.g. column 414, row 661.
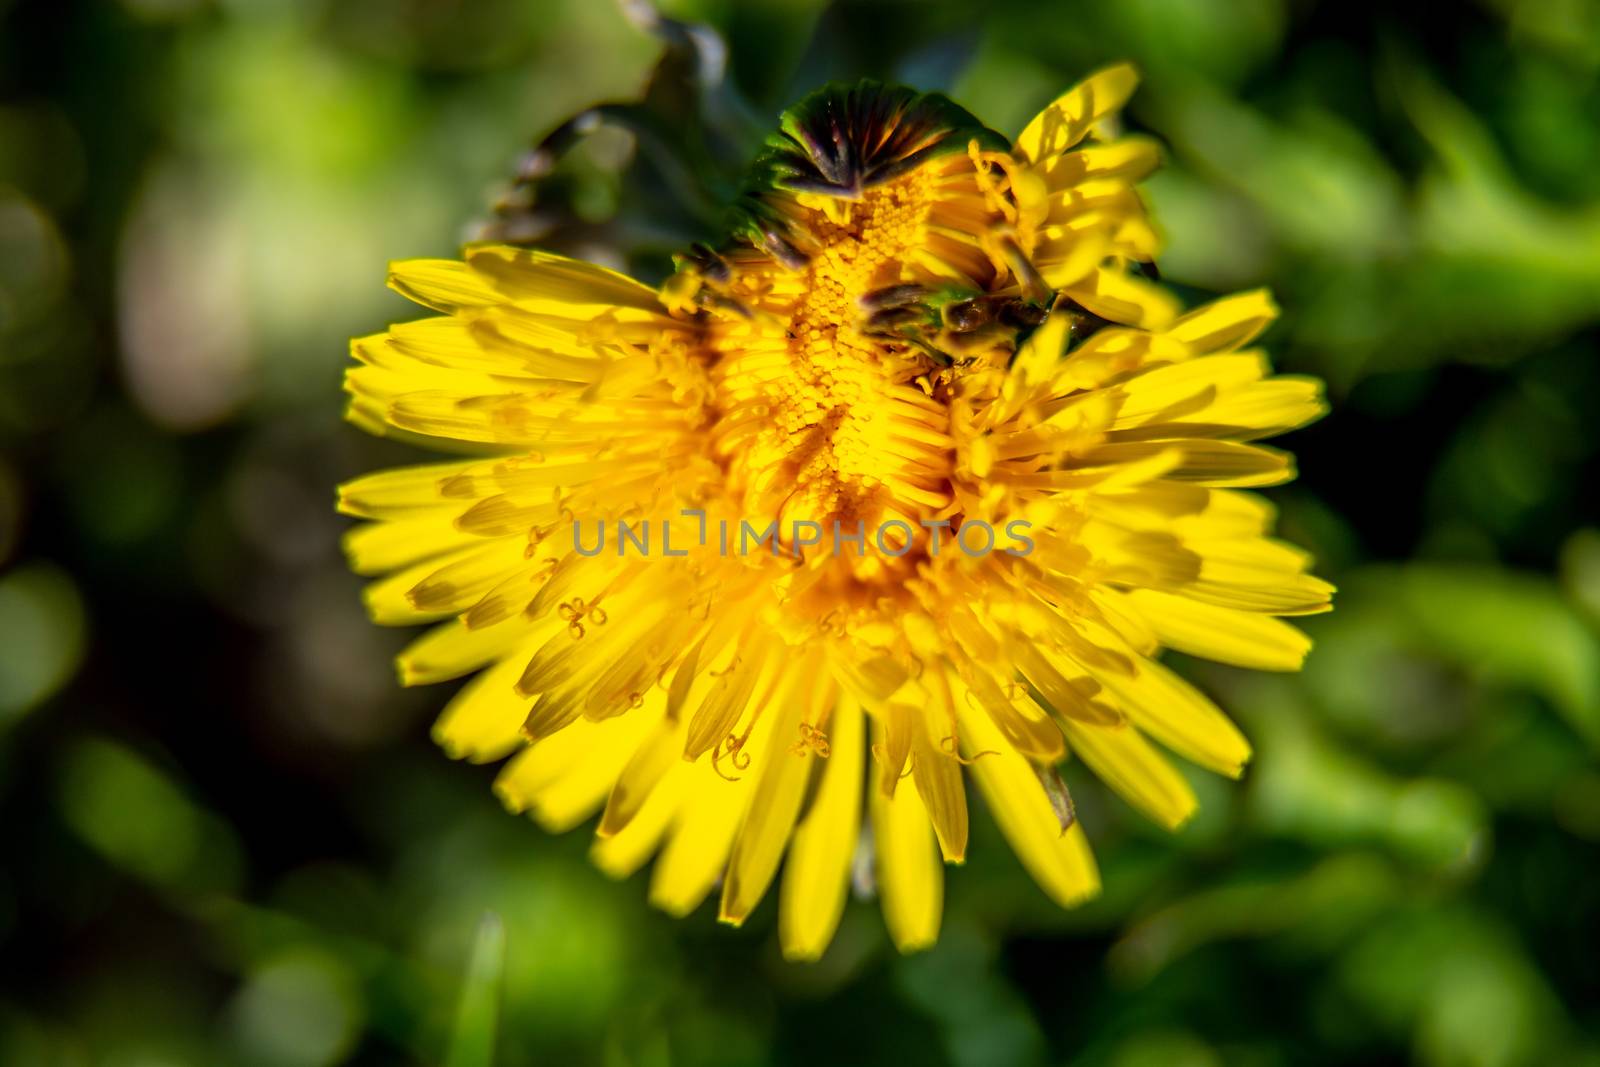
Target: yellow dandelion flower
column 907, row 483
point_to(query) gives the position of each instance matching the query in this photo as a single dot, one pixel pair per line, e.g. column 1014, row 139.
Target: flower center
column 822, row 417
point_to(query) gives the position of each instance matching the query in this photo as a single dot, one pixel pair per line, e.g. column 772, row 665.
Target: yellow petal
column 483, row 722
column 1179, row 716
column 450, row 341
column 702, row 836
column 1060, row 862
column 1260, row 409
column 379, row 547
column 1242, row 638
column 1111, row 352
column 500, row 274
column 529, row 275
column 563, row 779
column 398, row 493
column 460, row 581
column 1068, row 120
column 768, row 821
column 540, row 765
column 910, row 877
column 1231, row 513
column 1058, row 690
column 1226, row 324
column 390, row 373
column 1039, row 354
column 1256, row 574
column 1126, row 762
column 659, row 752
column 1019, row 721
column 726, row 703
column 1266, row 408
column 1205, row 462
column 626, row 851
column 1149, row 396
column 388, row 600
column 450, row 649
column 816, row 876
column 441, row 284
column 1257, row 557
column 1127, row 158
column 1136, row 239
column 872, row 681
column 937, row 775
column 1067, row 264
column 458, row 416
column 892, row 740
column 1121, row 297
column 1297, row 594
column 504, row 515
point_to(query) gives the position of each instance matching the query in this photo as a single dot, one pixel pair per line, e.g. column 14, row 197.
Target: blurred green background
column 227, row 839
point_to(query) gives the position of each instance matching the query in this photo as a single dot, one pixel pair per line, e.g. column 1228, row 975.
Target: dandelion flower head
column 901, row 487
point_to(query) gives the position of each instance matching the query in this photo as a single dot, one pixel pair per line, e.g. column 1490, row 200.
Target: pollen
column 810, row 425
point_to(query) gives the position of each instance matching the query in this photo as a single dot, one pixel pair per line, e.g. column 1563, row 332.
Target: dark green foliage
column 228, row 838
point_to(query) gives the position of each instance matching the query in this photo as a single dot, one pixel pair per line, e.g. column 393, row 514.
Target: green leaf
column 478, row 1016
column 1508, row 627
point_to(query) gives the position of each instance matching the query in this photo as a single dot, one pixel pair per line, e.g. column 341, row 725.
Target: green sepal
column 842, row 140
